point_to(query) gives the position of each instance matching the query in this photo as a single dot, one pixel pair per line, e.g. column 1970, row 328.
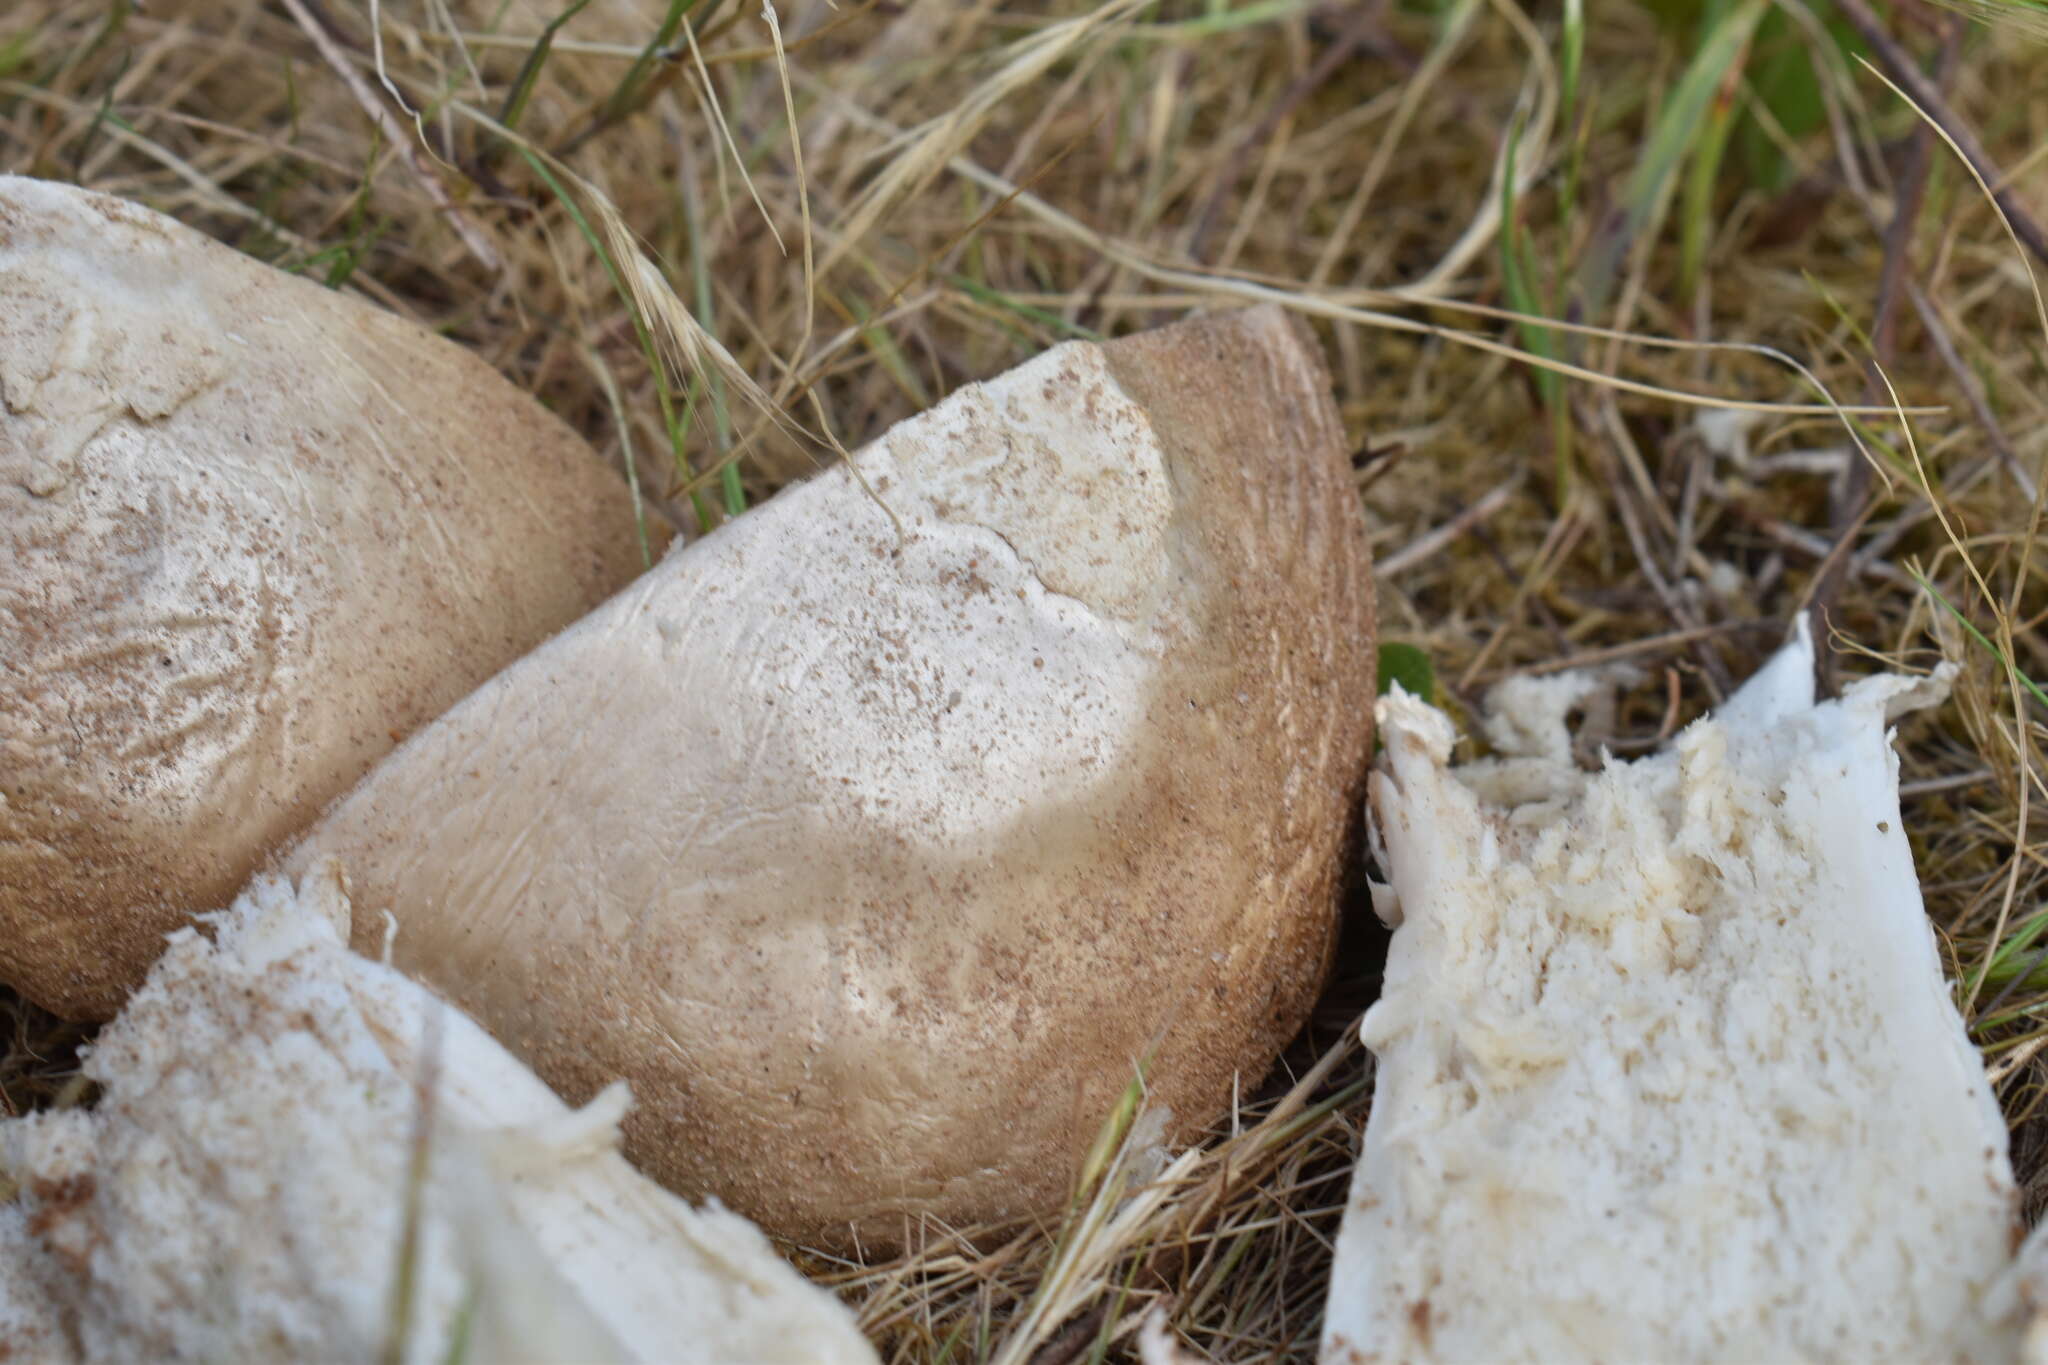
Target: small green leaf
column 1410, row 667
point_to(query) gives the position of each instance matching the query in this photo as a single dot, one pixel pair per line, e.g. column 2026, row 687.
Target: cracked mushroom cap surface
column 255, row 531
column 877, row 859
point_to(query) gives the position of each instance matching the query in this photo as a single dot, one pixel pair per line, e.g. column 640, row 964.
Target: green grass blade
column 1522, row 297
column 1051, row 321
column 2012, row 956
column 630, row 93
column 1571, row 63
column 877, row 342
column 1675, row 134
column 1514, row 268
column 1979, row 636
column 1696, row 216
column 117, row 19
column 529, row 70
column 1573, row 57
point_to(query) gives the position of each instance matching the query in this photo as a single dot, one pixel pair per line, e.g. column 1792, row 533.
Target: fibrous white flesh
column 1667, row 1067
column 242, row 1190
column 2030, row 1280
column 30, row 1328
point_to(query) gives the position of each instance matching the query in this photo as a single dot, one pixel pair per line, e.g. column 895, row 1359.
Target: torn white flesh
column 243, row 1189
column 1667, row 1067
column 30, row 1327
column 2030, row 1279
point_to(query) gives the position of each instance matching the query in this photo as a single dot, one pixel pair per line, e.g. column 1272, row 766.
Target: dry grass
column 725, row 248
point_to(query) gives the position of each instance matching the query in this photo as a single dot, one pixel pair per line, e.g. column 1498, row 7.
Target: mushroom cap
column 255, row 531
column 879, row 863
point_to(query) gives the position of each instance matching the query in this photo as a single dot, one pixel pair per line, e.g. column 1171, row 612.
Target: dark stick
column 1852, row 501
column 1973, row 390
column 1925, row 93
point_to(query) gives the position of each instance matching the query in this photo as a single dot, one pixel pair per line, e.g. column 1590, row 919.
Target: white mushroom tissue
column 302, row 1155
column 1667, row 1066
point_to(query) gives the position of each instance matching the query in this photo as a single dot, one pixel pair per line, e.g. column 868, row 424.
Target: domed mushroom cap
column 254, row 532
column 878, row 861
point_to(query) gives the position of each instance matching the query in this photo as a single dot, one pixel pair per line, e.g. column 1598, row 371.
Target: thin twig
column 1928, row 786
column 1973, row 389
column 1630, row 499
column 1817, row 546
column 1925, row 94
column 1655, row 644
column 1431, row 543
column 398, row 135
column 1852, row 502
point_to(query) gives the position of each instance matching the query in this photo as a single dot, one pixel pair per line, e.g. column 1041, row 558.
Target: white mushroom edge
column 1667, row 1065
column 301, row 1154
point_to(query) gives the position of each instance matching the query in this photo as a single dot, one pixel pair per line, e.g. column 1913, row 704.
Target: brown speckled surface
column 876, row 864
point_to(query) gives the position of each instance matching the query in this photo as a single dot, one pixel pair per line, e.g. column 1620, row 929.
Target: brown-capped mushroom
column 254, row 531
column 882, row 836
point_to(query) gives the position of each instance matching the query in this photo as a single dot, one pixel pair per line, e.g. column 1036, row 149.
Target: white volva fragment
column 2030, row 1278
column 29, row 1325
column 1667, row 1066
column 243, row 1189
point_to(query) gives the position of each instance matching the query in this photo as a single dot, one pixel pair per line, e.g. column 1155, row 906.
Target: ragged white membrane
column 1667, row 1067
column 242, row 1192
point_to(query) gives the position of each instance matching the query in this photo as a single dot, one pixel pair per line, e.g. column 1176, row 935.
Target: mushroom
column 255, row 531
column 1667, row 1068
column 884, row 836
column 301, row 1155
